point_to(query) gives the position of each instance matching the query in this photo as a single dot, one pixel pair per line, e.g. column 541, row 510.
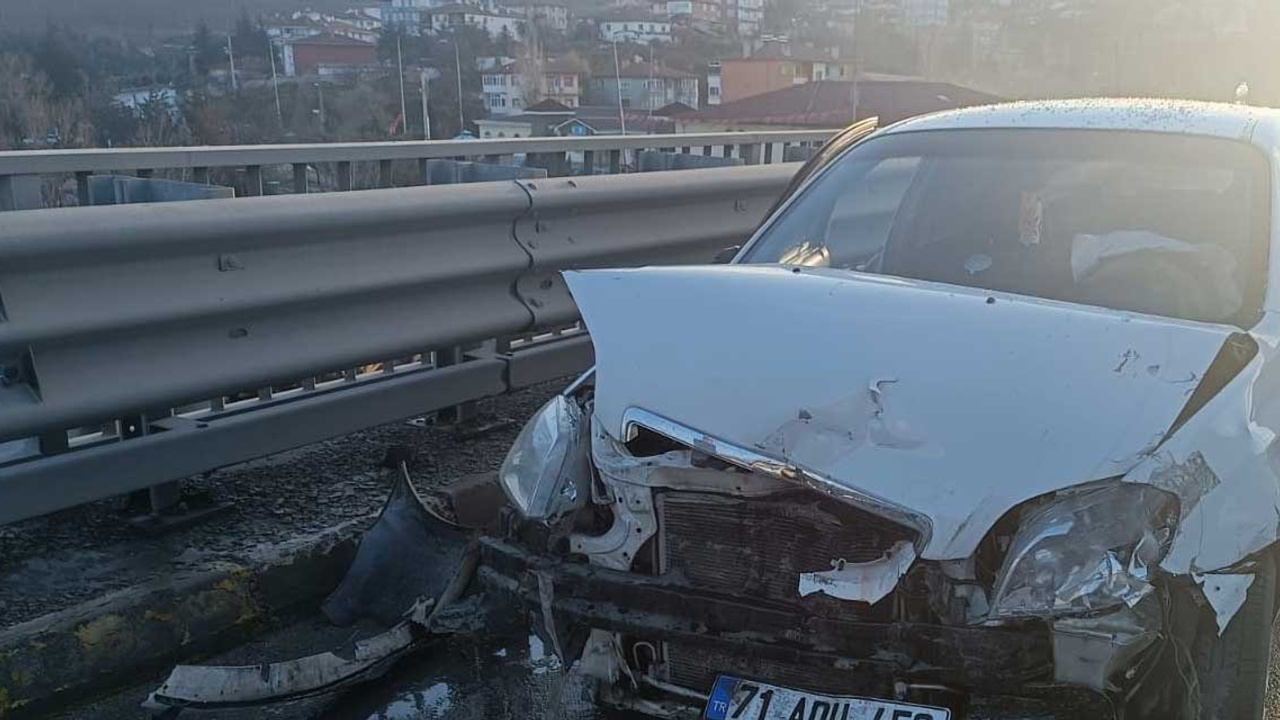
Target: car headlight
column 545, row 473
column 1085, row 552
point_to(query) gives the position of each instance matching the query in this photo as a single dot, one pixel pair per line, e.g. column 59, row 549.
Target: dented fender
column 1223, row 466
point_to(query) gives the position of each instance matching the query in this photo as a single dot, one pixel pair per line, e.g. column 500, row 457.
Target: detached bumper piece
column 955, row 667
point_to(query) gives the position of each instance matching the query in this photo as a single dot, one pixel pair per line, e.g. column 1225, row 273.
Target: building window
column 713, row 91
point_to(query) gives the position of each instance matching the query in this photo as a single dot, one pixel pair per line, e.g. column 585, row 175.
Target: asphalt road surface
column 511, row 677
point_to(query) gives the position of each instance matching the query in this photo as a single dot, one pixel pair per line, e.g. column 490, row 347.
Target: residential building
column 925, row 13
column 363, row 19
column 642, row 86
column 917, row 14
column 549, row 15
column 352, row 31
column 747, row 16
column 702, row 14
column 549, row 118
column 291, row 27
column 638, row 27
column 775, row 67
column 327, row 55
column 409, row 14
column 829, row 104
column 135, row 98
column 494, row 22
column 506, row 84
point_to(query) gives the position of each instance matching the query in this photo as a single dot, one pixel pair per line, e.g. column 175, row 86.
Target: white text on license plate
column 734, row 699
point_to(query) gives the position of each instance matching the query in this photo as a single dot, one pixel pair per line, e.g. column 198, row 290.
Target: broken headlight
column 1085, row 552
column 546, row 471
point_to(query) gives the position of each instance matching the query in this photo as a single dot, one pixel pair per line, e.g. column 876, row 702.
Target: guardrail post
column 54, row 443
column 768, row 153
column 344, row 175
column 385, row 179
column 159, row 498
column 300, row 178
column 588, row 162
column 20, row 192
column 422, row 171
column 615, row 162
column 750, row 153
column 706, row 150
column 253, row 180
column 446, row 357
column 200, row 175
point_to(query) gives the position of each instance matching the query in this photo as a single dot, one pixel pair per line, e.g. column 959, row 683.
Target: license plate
column 734, row 699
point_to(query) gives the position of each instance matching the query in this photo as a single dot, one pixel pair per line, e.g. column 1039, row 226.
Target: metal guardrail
column 600, row 153
column 146, row 343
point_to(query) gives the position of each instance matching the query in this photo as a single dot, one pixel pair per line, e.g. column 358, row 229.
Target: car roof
column 1236, row 122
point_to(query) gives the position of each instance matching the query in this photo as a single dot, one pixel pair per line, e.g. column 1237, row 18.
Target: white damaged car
column 981, row 422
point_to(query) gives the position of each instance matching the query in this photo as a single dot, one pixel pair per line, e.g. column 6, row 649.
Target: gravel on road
column 56, row 561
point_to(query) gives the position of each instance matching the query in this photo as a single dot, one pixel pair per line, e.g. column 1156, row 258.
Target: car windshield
column 1162, row 224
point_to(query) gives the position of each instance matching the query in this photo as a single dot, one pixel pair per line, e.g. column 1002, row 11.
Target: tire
column 1232, row 668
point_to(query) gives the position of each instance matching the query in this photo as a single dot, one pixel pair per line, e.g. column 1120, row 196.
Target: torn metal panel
column 672, row 470
column 1088, row 651
column 212, row 687
column 1223, row 465
column 603, row 660
column 1226, row 595
column 383, row 578
column 633, row 524
column 864, row 582
column 874, row 406
column 403, row 519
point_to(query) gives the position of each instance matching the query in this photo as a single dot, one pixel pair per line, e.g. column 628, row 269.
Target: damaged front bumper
column 1083, row 667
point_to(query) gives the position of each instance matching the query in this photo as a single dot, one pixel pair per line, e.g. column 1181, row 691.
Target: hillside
column 139, row 19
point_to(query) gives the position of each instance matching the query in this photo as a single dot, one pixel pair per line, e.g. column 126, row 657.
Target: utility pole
column 649, row 87
column 275, row 83
column 231, row 57
column 426, row 114
column 457, row 63
column 617, row 80
column 857, row 64
column 404, row 114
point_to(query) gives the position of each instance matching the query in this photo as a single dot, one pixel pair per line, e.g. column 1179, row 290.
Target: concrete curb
column 65, row 657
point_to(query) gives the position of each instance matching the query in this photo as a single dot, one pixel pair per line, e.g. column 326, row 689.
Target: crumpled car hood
column 954, row 403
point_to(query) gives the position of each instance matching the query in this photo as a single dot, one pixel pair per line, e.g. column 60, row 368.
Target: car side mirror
column 726, row 255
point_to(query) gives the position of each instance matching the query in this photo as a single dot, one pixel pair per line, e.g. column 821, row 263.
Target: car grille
column 758, row 547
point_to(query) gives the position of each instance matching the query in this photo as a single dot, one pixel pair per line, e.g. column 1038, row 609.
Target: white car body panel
column 1233, row 122
column 954, row 403
column 960, row 411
